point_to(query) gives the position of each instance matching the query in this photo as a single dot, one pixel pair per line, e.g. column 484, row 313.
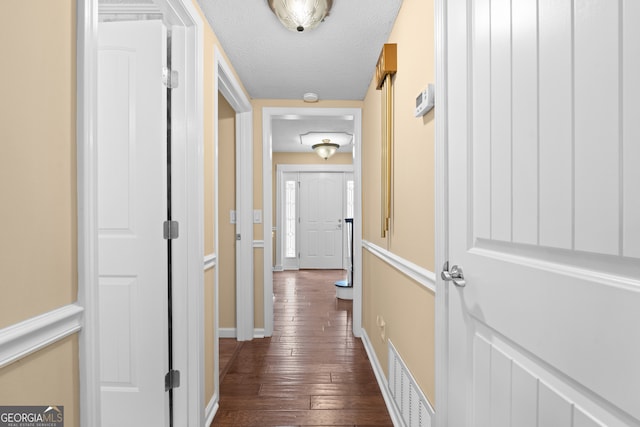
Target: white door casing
column 544, row 213
column 132, row 196
column 268, row 114
column 321, row 220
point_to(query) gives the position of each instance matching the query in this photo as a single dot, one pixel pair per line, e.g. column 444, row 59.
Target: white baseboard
column 211, row 410
column 227, row 333
column 232, row 333
column 396, row 417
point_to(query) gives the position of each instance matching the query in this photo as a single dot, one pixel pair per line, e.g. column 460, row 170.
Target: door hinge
column 172, row 380
column 170, row 78
column 170, row 230
column 238, row 236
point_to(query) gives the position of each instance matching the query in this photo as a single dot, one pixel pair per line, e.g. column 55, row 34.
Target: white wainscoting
column 21, row 339
column 421, row 275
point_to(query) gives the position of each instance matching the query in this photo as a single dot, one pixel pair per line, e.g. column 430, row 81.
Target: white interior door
column 132, row 198
column 321, row 220
column 544, row 213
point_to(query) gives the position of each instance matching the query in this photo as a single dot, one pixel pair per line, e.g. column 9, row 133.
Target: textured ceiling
column 336, row 60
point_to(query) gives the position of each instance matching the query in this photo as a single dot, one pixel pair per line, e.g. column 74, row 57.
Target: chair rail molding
column 421, row 275
column 22, row 339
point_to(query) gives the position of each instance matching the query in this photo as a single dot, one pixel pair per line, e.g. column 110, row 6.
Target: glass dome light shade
column 326, row 149
column 300, row 15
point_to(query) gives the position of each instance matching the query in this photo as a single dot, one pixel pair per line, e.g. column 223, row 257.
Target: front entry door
column 132, row 198
column 321, row 220
column 544, row 213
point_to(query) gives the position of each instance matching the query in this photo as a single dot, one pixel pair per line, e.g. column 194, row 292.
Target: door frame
column 187, row 152
column 292, row 168
column 441, row 213
column 268, row 114
column 226, row 84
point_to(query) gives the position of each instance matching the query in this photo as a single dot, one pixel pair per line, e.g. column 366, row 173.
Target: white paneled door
column 544, row 213
column 132, row 198
column 321, row 220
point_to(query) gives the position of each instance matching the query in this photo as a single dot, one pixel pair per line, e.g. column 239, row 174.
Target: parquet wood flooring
column 311, row 372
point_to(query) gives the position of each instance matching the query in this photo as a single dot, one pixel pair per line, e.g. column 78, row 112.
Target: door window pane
column 290, row 219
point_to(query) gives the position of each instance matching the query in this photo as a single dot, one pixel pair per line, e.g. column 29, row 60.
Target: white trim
column 282, row 168
column 283, row 263
column 210, row 261
column 267, row 206
column 231, row 89
column 441, row 214
column 188, row 130
column 268, row 113
column 87, row 184
column 31, row 335
column 227, row 333
column 211, row 410
column 421, row 275
column 395, row 415
column 258, row 243
column 132, row 9
column 232, row 333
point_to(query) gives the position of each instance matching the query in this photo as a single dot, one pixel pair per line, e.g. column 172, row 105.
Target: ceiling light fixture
column 300, row 15
column 331, row 142
column 310, row 97
column 325, row 149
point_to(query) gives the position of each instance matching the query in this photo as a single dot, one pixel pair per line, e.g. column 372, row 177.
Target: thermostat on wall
column 424, row 101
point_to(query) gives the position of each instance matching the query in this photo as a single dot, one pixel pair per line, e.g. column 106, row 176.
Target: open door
column 544, row 213
column 132, row 207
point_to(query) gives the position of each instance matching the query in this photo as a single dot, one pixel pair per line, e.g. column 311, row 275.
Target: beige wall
column 210, row 43
column 37, row 165
column 38, row 251
column 47, row 377
column 406, row 307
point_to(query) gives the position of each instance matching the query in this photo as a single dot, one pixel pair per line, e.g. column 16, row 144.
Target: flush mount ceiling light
column 330, row 142
column 300, row 15
column 325, row 149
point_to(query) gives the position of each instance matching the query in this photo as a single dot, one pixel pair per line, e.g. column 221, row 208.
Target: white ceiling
column 336, row 60
column 286, row 131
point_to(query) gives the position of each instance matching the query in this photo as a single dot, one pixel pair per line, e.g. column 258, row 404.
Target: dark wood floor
column 311, row 372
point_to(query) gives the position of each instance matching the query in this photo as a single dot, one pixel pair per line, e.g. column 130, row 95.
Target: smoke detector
column 310, row 97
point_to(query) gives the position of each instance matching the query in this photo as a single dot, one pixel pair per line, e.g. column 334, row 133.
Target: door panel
column 321, row 220
column 541, row 198
column 131, row 209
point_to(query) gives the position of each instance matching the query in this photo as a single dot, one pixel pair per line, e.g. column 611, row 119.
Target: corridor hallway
column 311, row 372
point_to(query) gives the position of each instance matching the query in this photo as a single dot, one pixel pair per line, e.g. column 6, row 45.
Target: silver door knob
column 455, row 275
